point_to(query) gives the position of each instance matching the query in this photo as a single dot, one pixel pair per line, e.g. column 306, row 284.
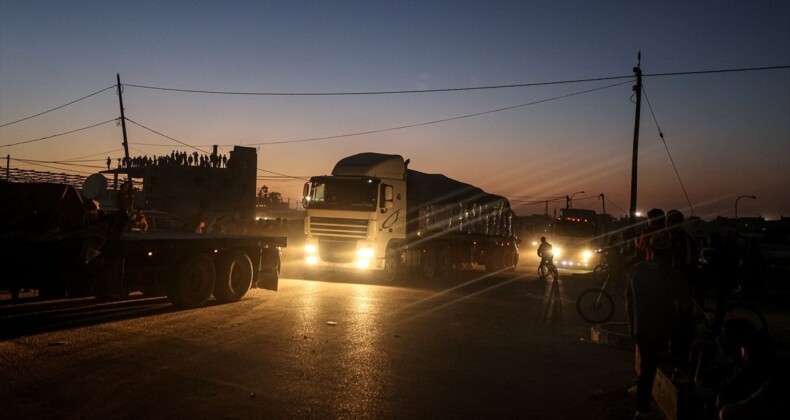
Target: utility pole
column 123, row 118
column 638, row 90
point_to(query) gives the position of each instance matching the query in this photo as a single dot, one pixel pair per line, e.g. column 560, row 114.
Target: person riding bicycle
column 545, row 252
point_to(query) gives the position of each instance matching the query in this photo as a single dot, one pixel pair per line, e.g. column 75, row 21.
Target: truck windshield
column 344, row 193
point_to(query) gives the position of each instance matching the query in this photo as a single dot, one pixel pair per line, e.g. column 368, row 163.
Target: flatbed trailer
column 49, row 243
column 187, row 267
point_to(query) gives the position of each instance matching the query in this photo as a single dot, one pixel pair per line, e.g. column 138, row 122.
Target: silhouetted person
column 751, row 392
column 139, row 222
column 201, row 225
column 684, row 258
column 656, row 296
column 655, row 223
column 723, row 274
column 545, row 252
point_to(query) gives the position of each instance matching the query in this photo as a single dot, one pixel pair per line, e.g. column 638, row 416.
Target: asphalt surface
column 476, row 346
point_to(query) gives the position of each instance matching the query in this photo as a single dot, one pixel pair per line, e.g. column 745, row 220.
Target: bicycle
column 596, row 305
column 549, row 268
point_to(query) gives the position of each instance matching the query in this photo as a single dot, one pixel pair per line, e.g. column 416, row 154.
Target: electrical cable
column 661, row 135
column 382, row 92
column 55, row 167
column 410, row 91
column 199, row 150
column 57, row 135
column 165, row 136
column 477, row 114
column 56, row 108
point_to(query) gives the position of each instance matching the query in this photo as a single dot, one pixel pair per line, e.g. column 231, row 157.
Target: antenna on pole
column 638, row 90
column 123, row 119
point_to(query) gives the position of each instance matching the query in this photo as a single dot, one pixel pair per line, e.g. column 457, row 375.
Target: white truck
column 374, row 214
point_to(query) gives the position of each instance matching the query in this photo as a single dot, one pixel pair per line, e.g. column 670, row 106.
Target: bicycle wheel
column 543, row 271
column 595, row 306
column 749, row 313
column 555, row 274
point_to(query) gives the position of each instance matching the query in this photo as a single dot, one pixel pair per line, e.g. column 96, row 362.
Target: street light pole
column 569, row 199
column 736, row 203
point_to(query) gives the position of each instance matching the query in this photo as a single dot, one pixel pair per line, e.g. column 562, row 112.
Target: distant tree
column 268, row 199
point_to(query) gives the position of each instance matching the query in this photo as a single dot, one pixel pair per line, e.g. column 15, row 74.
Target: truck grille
column 339, row 227
column 336, row 251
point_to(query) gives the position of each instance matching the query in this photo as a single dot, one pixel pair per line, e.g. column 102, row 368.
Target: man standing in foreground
column 657, row 296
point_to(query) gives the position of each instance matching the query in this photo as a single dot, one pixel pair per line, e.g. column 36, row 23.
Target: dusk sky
column 728, row 133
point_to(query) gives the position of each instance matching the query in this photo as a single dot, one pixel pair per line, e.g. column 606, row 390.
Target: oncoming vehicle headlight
column 310, row 249
column 586, row 255
column 364, row 255
column 557, row 252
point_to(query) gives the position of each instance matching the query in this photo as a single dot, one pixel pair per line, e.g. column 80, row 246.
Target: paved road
column 481, row 346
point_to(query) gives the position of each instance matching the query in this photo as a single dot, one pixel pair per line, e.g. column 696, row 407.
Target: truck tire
column 493, row 261
column 269, row 279
column 510, row 259
column 194, row 282
column 392, row 266
column 234, row 277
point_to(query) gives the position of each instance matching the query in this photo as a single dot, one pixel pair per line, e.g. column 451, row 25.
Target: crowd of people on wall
column 731, row 360
column 175, row 157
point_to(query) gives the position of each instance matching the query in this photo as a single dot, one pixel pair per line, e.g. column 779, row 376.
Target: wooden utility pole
column 638, row 90
column 123, row 118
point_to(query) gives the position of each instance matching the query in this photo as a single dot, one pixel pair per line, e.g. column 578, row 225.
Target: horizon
column 529, row 101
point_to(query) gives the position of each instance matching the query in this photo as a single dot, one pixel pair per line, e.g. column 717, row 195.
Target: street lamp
column 569, row 199
column 736, row 203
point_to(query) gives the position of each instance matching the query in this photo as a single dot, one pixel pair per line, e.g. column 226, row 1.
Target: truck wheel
column 234, row 277
column 510, row 259
column 493, row 261
column 269, row 280
column 194, row 282
column 392, row 266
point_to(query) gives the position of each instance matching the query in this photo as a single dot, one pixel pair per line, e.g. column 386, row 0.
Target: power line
column 381, row 92
column 56, row 108
column 193, row 147
column 477, row 114
column 165, row 136
column 57, row 135
column 55, row 162
column 661, row 135
column 460, row 89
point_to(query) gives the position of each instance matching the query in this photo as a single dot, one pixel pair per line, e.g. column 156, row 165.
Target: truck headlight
column 557, row 251
column 311, row 254
column 364, row 255
column 586, row 255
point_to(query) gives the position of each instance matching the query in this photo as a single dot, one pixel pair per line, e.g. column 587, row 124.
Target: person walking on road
column 657, row 297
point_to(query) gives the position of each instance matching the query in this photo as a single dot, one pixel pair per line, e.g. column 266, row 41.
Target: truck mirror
column 305, row 189
column 304, row 202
